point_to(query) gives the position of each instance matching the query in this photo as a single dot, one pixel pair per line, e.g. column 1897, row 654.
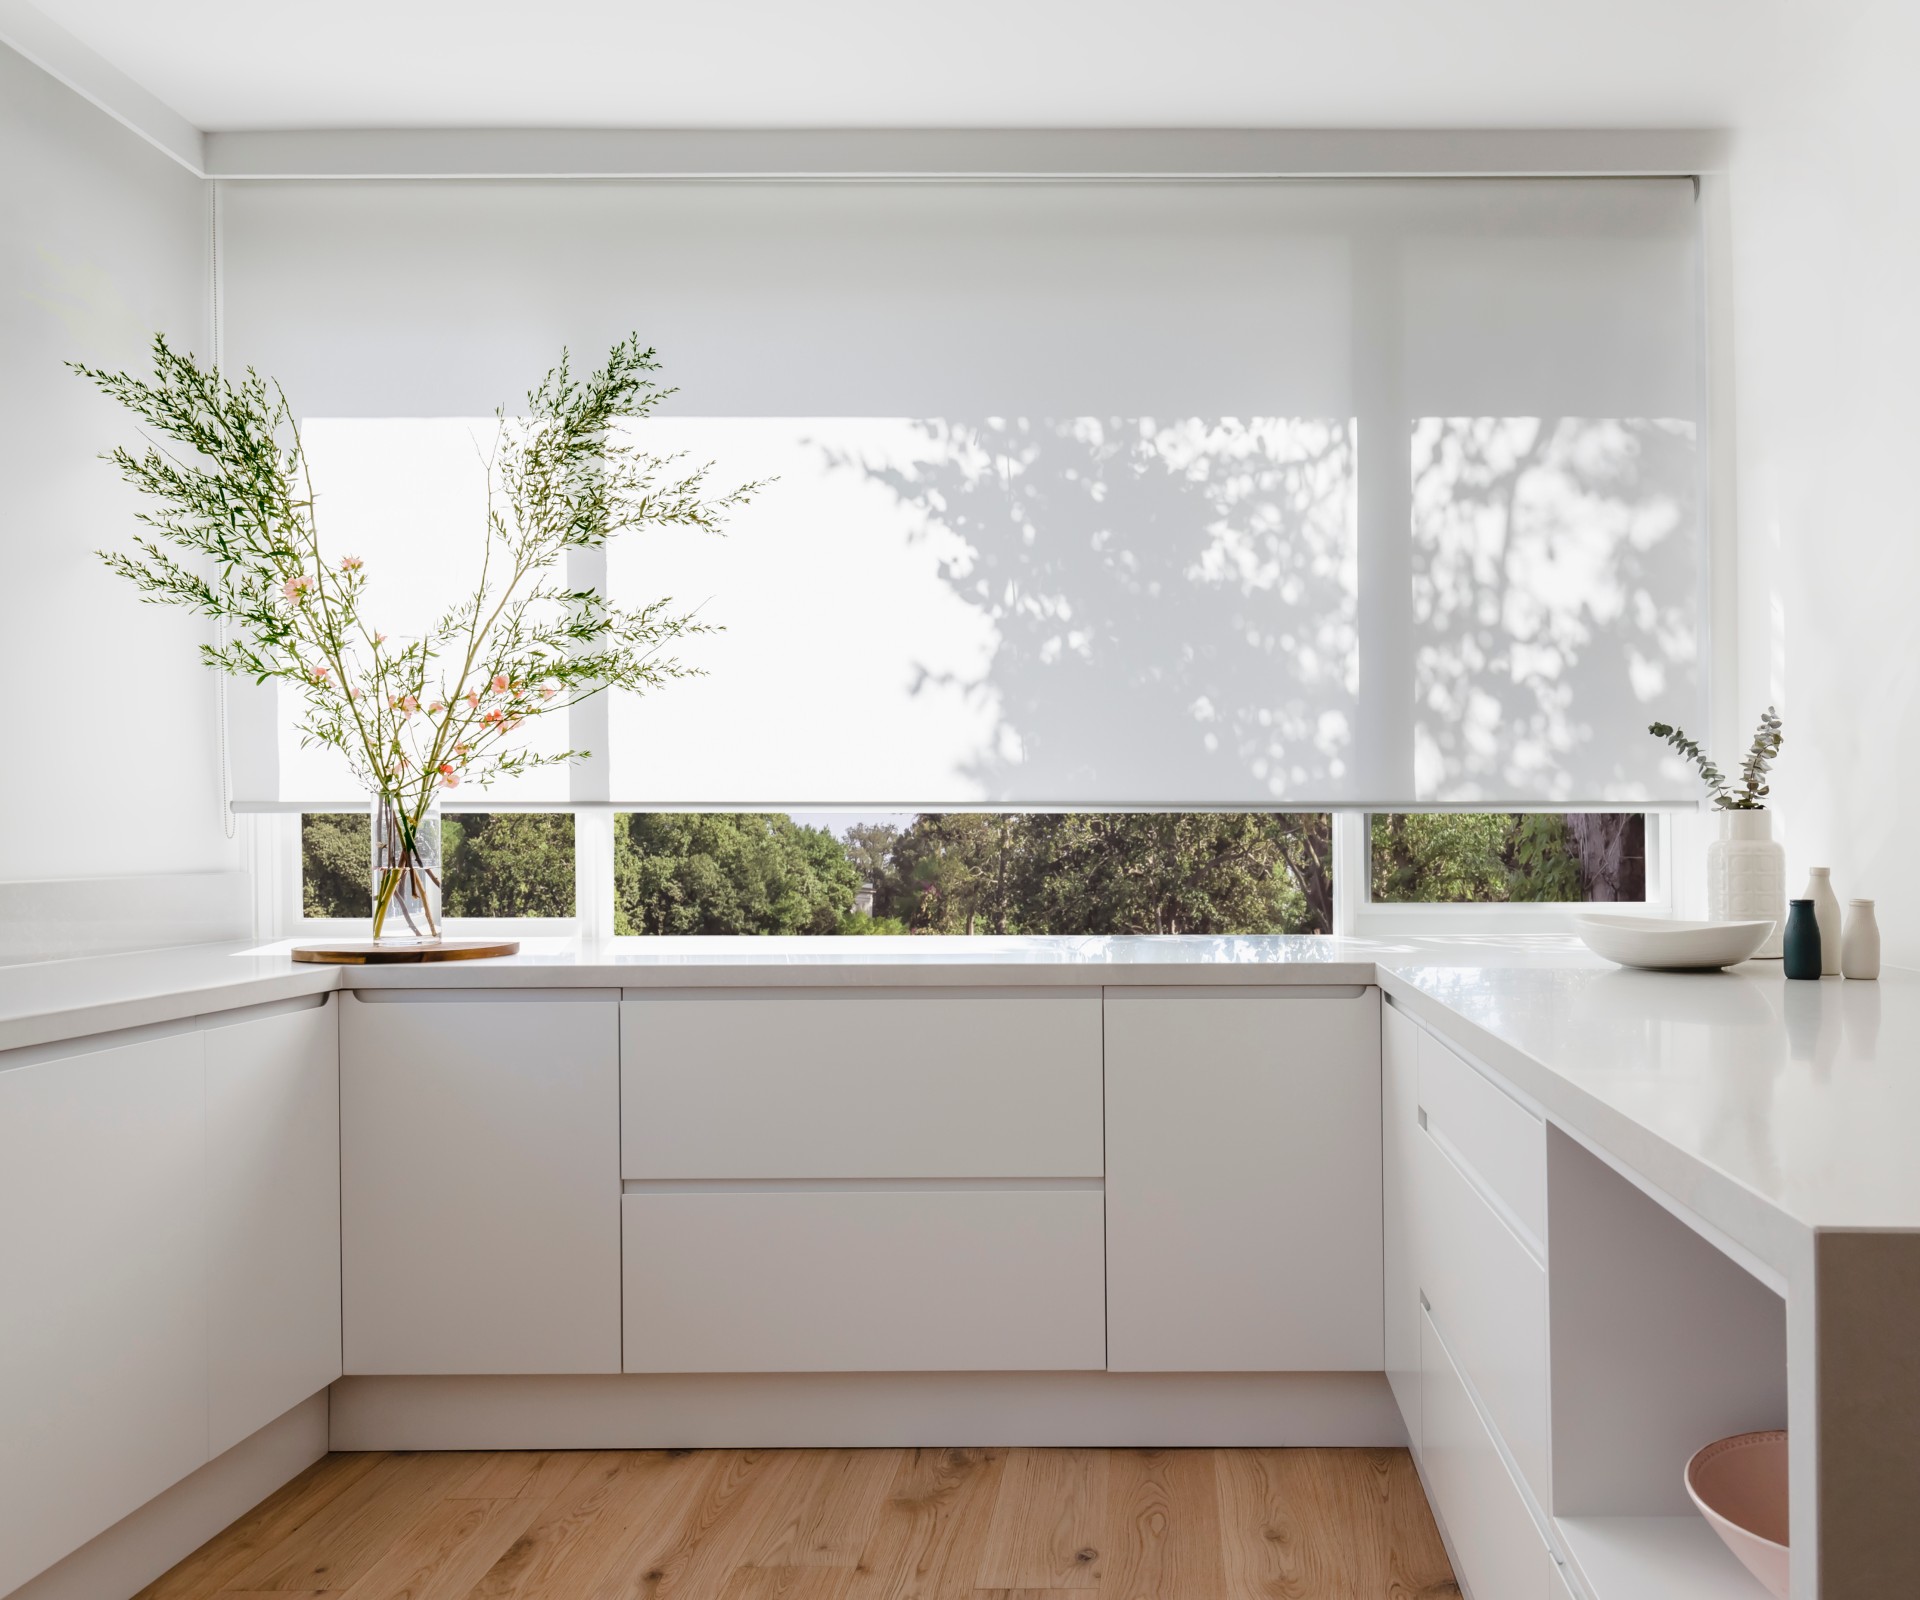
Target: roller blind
column 1088, row 494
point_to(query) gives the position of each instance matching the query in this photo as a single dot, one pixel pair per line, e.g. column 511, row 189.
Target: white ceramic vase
column 1747, row 875
column 1860, row 944
column 1826, row 912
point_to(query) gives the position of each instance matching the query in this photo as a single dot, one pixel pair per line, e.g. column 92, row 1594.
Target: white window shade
column 1238, row 493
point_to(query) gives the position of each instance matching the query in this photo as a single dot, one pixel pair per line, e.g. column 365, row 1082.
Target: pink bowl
column 1740, row 1486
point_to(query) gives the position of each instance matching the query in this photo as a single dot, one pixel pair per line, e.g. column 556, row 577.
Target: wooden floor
column 834, row 1525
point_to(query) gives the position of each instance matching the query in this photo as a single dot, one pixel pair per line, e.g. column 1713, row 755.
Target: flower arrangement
column 1753, row 789
column 416, row 717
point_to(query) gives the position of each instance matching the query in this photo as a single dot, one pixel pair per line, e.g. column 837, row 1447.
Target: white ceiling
column 258, row 64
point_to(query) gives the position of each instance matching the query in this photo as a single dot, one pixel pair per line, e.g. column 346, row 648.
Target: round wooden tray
column 365, row 953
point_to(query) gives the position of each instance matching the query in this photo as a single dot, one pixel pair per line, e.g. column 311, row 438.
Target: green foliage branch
column 1751, row 793
column 234, row 535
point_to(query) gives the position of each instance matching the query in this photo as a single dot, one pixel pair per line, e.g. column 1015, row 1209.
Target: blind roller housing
column 1102, row 494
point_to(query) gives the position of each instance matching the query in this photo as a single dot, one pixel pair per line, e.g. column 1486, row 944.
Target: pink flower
column 448, row 777
column 473, row 699
column 461, row 750
column 353, row 694
column 499, row 683
column 491, row 718
column 547, row 691
column 351, row 563
column 318, row 674
column 295, row 589
column 379, row 639
column 409, row 704
column 437, row 707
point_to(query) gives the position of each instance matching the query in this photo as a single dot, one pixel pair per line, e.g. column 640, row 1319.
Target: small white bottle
column 1826, row 912
column 1860, row 944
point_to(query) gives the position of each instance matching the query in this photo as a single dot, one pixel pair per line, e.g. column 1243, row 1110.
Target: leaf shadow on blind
column 1556, row 594
column 1173, row 602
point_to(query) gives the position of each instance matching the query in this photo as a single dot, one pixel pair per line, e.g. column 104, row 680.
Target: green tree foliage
column 508, row 864
column 336, row 864
column 496, row 864
column 728, row 873
column 1109, row 873
column 1494, row 856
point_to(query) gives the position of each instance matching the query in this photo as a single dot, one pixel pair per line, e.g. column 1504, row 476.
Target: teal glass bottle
column 1802, row 945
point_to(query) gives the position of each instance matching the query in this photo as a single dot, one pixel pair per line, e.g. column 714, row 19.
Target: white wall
column 109, row 763
column 1825, row 204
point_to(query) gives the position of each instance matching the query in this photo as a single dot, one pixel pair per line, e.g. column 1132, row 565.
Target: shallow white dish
column 1664, row 944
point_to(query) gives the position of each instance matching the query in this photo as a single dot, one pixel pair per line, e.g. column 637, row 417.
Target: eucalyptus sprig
column 1753, row 788
column 234, row 536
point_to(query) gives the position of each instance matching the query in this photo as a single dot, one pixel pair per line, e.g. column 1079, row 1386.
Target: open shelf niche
column 1660, row 1344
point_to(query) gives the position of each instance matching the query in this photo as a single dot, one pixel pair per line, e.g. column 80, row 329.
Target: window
column 1389, row 497
column 974, row 873
column 495, row 863
column 1499, row 857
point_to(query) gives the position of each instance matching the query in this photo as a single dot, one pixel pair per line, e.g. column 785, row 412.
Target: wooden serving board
column 365, row 953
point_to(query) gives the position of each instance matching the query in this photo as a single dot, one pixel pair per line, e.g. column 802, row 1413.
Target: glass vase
column 406, row 870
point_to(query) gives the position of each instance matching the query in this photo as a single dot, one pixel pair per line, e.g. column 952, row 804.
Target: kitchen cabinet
column 273, row 1216
column 103, row 1273
column 881, row 1083
column 480, row 1181
column 864, row 1280
column 1243, row 1180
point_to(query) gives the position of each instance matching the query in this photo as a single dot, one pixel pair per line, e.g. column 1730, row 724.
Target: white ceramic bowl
column 1662, row 943
column 1740, row 1486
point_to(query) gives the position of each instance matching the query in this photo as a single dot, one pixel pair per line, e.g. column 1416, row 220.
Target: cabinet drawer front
column 1504, row 1143
column 1490, row 1297
column 864, row 1280
column 864, row 1084
column 1495, row 1542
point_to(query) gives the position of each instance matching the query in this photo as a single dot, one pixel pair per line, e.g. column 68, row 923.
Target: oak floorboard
column 632, row 1546
column 825, row 1512
column 1049, row 1526
column 446, row 1551
column 331, row 1549
column 521, row 1474
column 788, row 1583
column 932, row 1531
column 556, row 1551
column 1163, row 1522
column 215, row 1564
column 1420, row 1569
column 1029, row 1594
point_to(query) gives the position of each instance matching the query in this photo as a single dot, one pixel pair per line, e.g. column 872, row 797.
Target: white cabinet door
column 864, row 1280
column 1399, row 1136
column 103, row 1276
column 273, row 1216
column 1243, row 1181
column 877, row 1083
column 480, row 1182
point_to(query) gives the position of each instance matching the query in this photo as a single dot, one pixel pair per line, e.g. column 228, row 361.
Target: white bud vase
column 1860, row 944
column 1747, row 875
column 1826, row 912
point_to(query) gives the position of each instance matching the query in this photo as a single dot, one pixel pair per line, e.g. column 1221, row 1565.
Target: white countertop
column 1770, row 1109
